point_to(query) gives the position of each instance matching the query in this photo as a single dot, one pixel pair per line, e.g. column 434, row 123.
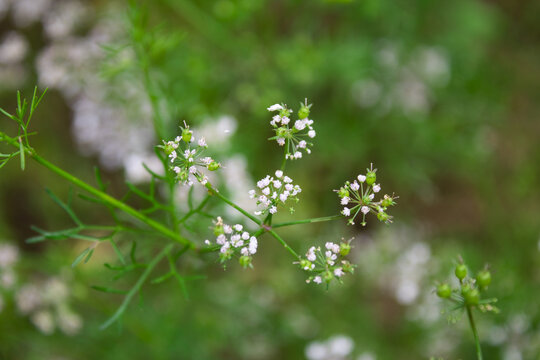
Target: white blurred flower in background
column 338, row 347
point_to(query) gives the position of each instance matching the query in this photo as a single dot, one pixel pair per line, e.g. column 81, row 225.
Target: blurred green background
column 443, row 98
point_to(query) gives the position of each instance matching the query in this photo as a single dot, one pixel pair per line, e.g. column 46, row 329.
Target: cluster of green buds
column 325, row 265
column 470, row 290
column 296, row 137
column 186, row 160
column 359, row 197
column 234, row 241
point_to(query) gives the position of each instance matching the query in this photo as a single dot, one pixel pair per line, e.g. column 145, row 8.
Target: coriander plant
column 185, row 163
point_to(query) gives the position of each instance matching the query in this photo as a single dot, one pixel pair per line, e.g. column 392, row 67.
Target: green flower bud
column 444, row 291
column 483, row 279
column 371, row 177
column 213, row 166
column 305, row 264
column 471, row 296
column 186, row 135
column 343, row 192
column 366, row 200
column 245, row 261
column 461, row 271
column 344, row 249
column 303, row 112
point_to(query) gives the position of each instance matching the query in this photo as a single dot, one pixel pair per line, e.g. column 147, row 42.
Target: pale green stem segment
column 475, row 333
column 308, row 221
column 285, row 245
column 137, row 286
column 216, row 192
column 101, row 195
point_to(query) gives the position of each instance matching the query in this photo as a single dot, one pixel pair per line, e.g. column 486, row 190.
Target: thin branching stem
column 308, row 221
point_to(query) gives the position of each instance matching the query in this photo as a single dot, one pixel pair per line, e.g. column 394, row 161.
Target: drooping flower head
column 359, row 197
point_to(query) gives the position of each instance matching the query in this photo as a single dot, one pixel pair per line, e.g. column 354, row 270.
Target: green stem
column 308, row 221
column 285, row 245
column 475, row 333
column 229, row 202
column 137, row 286
column 101, row 195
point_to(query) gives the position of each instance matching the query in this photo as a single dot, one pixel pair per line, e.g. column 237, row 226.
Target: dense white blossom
column 274, row 191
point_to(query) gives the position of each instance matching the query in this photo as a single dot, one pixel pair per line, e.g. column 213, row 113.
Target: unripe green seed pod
column 382, row 216
column 461, row 271
column 303, row 112
column 168, row 149
column 344, row 249
column 213, row 166
column 218, row 230
column 483, row 278
column 347, row 266
column 245, row 261
column 343, row 192
column 328, row 276
column 371, row 177
column 186, row 135
column 282, row 132
column 305, row 264
column 444, row 291
column 472, row 296
column 387, row 201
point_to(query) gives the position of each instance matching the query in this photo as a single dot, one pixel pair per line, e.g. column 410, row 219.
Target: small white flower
column 177, row 169
column 302, row 144
column 192, row 169
column 344, row 200
column 207, row 242
column 311, row 133
column 266, row 191
column 281, row 141
column 287, row 179
column 317, row 280
column 338, row 272
column 376, row 188
column 364, row 210
column 251, row 194
column 277, row 184
column 298, row 155
column 361, row 178
column 346, row 211
column 285, row 120
column 221, row 239
column 245, row 235
column 275, row 107
column 202, row 142
column 272, row 210
column 279, row 173
column 299, row 125
column 238, row 227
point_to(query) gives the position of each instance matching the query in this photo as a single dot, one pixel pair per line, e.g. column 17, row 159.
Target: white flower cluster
column 327, row 264
column 359, row 196
column 47, row 306
column 185, row 154
column 9, row 255
column 274, row 191
column 292, row 137
column 234, row 240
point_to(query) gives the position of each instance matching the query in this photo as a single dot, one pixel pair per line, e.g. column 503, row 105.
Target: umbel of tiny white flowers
column 359, row 197
column 186, row 160
column 234, row 240
column 274, row 191
column 325, row 265
column 295, row 137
